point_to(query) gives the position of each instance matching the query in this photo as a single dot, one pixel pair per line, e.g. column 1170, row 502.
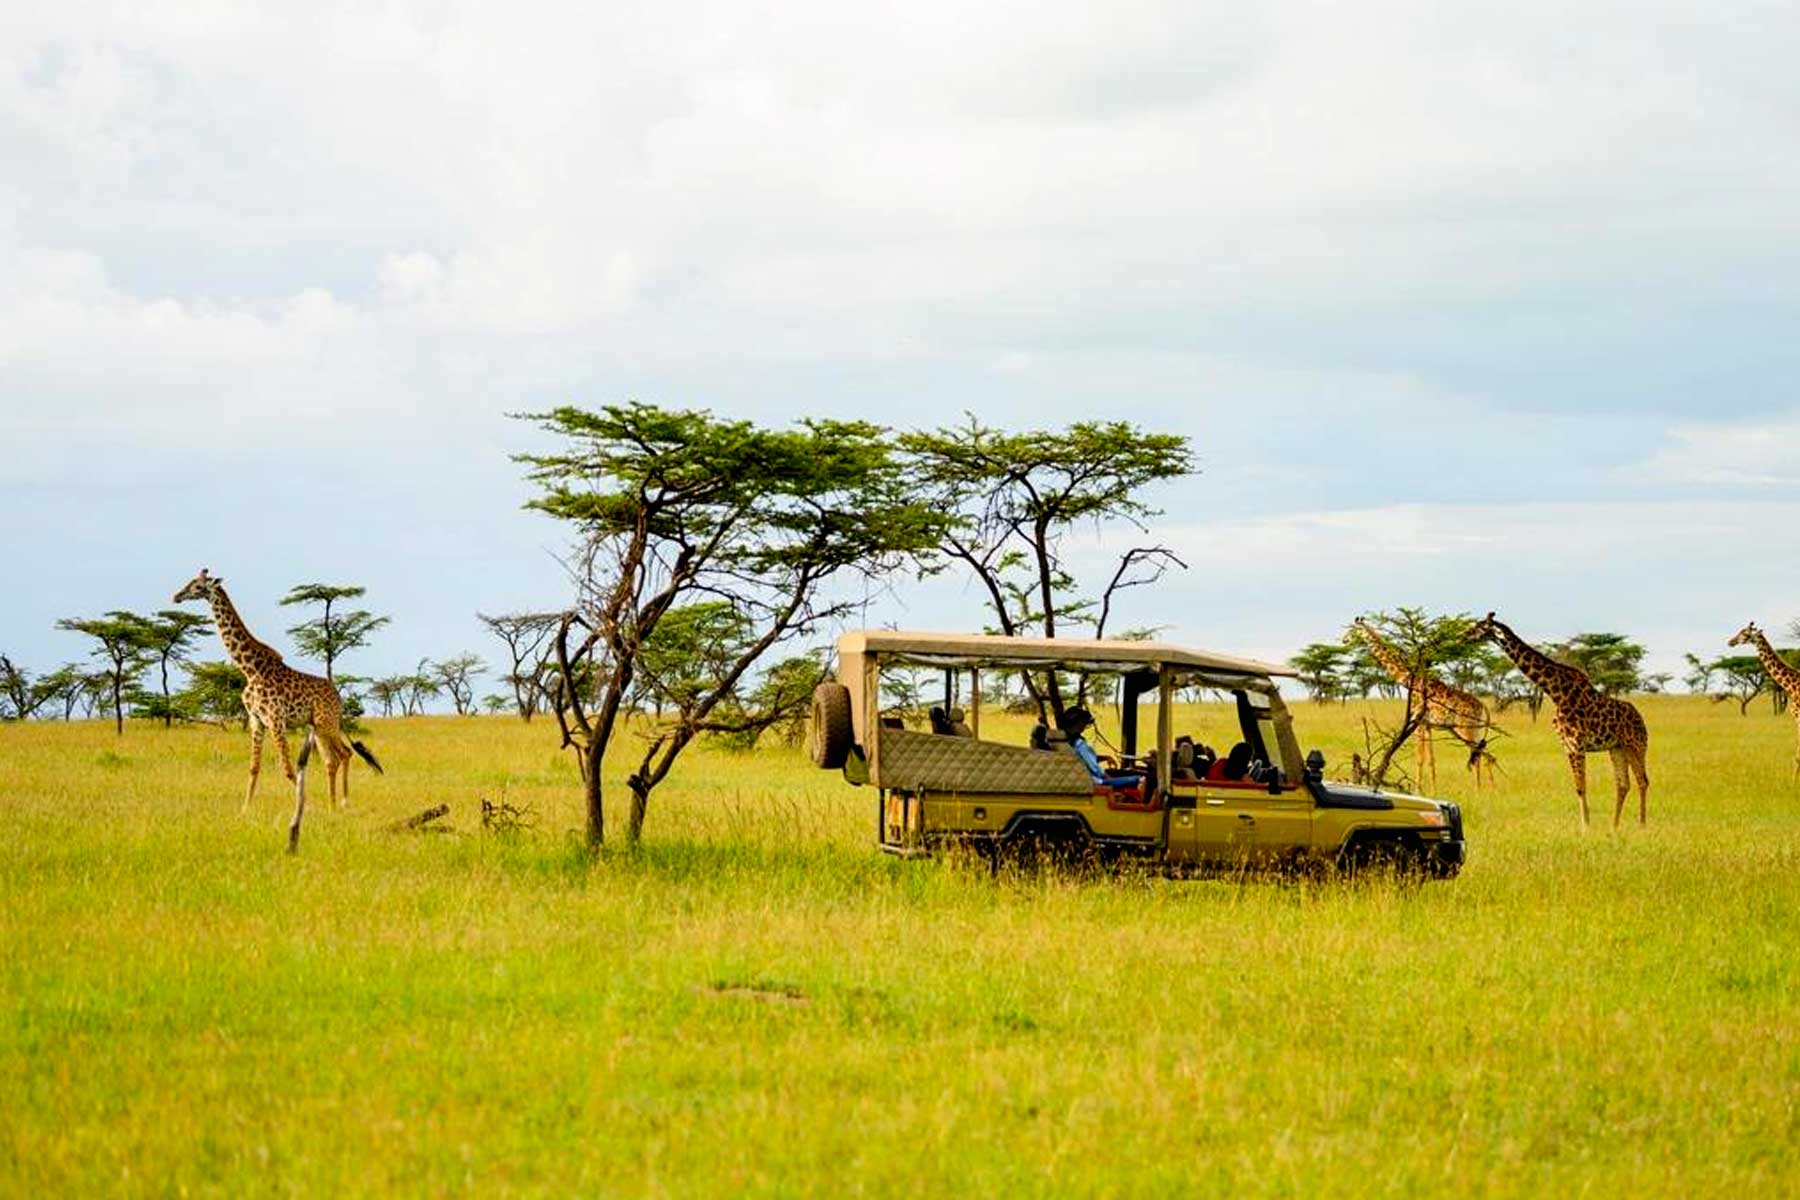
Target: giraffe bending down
column 1445, row 706
column 1785, row 676
column 276, row 696
column 1586, row 720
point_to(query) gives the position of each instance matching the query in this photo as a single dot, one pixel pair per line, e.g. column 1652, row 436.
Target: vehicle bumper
column 1447, row 857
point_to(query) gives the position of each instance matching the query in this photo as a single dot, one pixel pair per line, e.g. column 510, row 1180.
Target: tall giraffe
column 275, row 695
column 1586, row 720
column 1785, row 676
column 1442, row 704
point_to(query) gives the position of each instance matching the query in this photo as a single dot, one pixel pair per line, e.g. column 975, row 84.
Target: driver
column 1074, row 722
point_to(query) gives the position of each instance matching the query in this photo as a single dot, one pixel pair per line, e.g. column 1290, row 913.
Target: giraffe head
column 1486, row 629
column 1747, row 634
column 200, row 587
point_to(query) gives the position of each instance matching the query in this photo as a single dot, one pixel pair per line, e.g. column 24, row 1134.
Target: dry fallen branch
column 420, row 822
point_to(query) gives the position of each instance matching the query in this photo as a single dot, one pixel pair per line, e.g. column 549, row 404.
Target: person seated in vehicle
column 1076, row 720
column 1233, row 767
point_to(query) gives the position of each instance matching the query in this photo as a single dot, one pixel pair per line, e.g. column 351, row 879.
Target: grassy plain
column 759, row 1002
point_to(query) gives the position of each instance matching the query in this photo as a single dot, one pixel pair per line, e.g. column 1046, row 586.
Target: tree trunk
column 119, row 704
column 168, row 712
column 596, row 808
column 640, row 805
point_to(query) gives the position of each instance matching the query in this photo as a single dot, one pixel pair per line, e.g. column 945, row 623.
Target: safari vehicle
column 1260, row 805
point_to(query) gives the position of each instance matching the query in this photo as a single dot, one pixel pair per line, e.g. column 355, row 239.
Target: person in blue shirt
column 1074, row 722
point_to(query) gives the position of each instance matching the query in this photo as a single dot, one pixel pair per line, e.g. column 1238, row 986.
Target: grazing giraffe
column 276, row 696
column 1586, row 720
column 1444, row 706
column 1785, row 676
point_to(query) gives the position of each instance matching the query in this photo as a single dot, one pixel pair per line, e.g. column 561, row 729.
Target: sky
column 1472, row 306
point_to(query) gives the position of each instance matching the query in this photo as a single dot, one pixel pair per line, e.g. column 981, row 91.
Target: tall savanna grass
column 759, row 1002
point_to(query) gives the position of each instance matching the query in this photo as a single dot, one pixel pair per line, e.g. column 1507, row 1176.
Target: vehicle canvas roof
column 1109, row 654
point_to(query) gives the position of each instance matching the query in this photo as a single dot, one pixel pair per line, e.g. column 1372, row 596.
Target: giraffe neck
column 1553, row 677
column 250, row 655
column 1390, row 661
column 1776, row 666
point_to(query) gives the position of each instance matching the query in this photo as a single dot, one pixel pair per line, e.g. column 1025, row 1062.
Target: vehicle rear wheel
column 831, row 736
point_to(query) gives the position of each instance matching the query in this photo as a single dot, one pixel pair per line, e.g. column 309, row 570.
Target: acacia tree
column 388, row 691
column 20, row 696
column 527, row 640
column 1611, row 660
column 1427, row 645
column 674, row 507
column 329, row 637
column 1321, row 668
column 123, row 638
column 1014, row 496
column 71, row 685
column 168, row 638
column 456, row 675
column 417, row 688
column 215, row 692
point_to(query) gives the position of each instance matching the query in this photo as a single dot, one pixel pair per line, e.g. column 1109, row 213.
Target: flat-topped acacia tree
column 1014, row 496
column 123, row 639
column 673, row 507
column 329, row 637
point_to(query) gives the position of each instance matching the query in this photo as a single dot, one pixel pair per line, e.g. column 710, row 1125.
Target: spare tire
column 832, row 735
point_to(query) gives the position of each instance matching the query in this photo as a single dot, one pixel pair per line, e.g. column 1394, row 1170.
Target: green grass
column 759, row 1002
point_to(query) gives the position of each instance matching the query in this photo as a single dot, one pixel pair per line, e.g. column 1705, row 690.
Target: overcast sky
column 1469, row 306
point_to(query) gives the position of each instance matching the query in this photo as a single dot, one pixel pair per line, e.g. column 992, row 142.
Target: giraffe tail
column 363, row 752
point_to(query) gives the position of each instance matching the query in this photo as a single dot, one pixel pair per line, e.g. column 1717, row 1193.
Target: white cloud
column 1758, row 455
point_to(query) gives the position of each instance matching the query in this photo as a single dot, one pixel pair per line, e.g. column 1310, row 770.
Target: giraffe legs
column 1621, row 760
column 1639, row 769
column 337, row 756
column 287, row 756
column 1578, row 768
column 257, row 730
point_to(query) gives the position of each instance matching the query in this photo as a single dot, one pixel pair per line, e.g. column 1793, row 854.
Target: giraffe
column 1586, row 720
column 277, row 696
column 1444, row 706
column 1786, row 677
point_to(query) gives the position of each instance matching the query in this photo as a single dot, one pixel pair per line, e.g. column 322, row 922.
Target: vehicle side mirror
column 1315, row 766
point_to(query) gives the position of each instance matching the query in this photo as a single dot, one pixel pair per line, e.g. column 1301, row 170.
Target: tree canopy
column 328, row 637
column 1611, row 660
column 123, row 639
column 672, row 507
column 169, row 637
column 1013, row 498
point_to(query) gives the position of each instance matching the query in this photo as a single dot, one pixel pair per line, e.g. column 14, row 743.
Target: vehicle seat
column 1181, row 767
column 959, row 726
column 940, row 720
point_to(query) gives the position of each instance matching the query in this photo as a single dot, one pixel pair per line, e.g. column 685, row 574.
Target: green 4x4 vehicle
column 1258, row 805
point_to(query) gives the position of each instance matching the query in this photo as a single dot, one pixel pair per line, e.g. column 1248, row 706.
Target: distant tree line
column 146, row 666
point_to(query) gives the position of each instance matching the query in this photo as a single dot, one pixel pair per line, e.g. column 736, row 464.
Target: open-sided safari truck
column 1175, row 801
